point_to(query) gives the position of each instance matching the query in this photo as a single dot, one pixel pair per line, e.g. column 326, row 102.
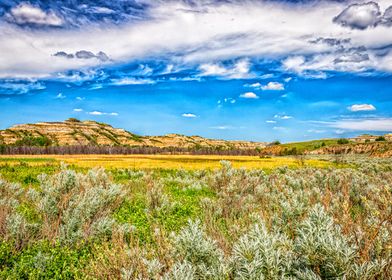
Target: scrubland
column 301, row 221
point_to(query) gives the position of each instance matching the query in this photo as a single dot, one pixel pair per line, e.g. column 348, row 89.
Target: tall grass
column 305, row 223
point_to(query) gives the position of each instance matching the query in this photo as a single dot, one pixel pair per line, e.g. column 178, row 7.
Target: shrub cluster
column 306, row 223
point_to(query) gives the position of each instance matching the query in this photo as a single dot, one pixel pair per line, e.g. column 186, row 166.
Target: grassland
column 189, row 162
column 195, row 217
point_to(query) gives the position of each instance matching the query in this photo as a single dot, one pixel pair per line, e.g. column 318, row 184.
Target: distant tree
column 40, row 141
column 276, row 142
column 342, row 141
column 2, row 149
column 72, row 120
column 380, row 139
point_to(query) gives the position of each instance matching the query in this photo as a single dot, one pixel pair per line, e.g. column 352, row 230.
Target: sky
column 236, row 70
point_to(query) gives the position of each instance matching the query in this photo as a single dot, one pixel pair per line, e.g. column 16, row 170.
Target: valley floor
column 195, row 217
column 189, row 162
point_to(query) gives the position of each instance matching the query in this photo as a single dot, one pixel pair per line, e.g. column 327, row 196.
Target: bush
column 198, row 256
column 40, row 141
column 72, row 120
column 72, row 208
column 342, row 141
column 380, row 139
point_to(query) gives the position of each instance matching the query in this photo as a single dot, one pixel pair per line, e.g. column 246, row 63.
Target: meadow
column 189, row 162
column 195, row 217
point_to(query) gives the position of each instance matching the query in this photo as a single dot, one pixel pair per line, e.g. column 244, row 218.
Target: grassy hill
column 330, row 146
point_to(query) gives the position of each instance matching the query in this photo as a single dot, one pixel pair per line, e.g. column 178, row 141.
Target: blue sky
column 252, row 70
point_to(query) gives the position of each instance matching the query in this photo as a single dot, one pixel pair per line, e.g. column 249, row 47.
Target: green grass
column 310, row 145
column 281, row 197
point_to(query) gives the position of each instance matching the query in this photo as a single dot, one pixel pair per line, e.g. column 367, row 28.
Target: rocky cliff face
column 378, row 149
column 74, row 132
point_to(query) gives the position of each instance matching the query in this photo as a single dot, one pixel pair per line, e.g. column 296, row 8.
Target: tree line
column 122, row 150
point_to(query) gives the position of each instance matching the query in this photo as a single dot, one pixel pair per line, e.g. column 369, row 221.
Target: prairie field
column 195, row 217
column 189, row 162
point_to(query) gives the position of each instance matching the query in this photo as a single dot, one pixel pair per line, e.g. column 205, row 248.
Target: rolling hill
column 73, row 132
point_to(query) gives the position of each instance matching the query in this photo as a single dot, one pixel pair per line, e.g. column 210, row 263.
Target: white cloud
column 361, row 107
column 20, row 87
column 254, row 85
column 273, row 86
column 78, row 110
column 189, row 115
column 359, row 16
column 26, row 13
column 269, row 86
column 131, row 81
column 239, row 70
column 99, row 113
column 318, row 131
column 96, row 113
column 283, row 117
column 227, row 100
column 80, row 98
column 266, row 76
column 225, row 32
column 270, row 121
column 223, row 127
column 60, row 96
column 249, row 95
column 379, row 124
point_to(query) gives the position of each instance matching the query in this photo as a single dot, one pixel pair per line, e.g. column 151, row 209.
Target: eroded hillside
column 73, row 132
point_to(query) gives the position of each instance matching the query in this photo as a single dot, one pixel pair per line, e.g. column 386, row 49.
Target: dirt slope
column 73, row 132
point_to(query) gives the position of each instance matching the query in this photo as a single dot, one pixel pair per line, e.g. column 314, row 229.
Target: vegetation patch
column 59, row 222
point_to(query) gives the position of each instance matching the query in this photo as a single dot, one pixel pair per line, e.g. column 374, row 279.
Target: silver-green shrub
column 198, row 255
column 262, row 255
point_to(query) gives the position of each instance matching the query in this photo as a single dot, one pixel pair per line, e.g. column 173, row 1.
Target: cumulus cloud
column 269, row 86
column 361, row 107
column 78, row 110
column 254, row 85
column 83, row 54
column 387, row 17
column 249, row 95
column 189, row 115
column 239, row 70
column 273, row 86
column 227, row 32
column 26, row 13
column 359, row 16
column 270, row 121
column 364, row 15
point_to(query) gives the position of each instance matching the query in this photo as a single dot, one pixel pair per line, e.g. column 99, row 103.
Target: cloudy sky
column 253, row 70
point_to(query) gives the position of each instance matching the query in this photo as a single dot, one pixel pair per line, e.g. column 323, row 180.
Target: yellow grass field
column 165, row 161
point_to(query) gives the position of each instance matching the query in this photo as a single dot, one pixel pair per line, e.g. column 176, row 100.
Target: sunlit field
column 195, row 217
column 190, row 162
